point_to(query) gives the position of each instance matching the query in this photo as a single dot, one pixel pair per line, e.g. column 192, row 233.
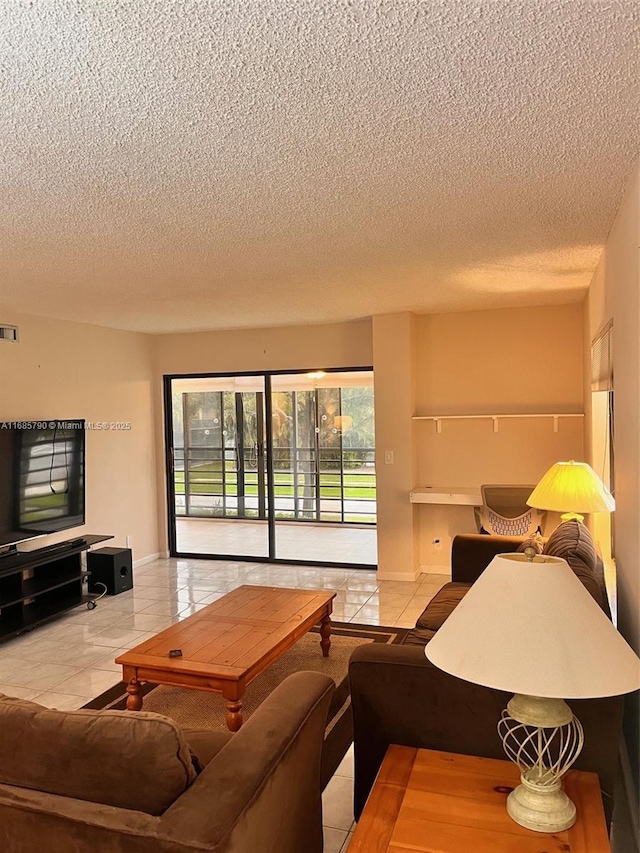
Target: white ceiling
column 235, row 163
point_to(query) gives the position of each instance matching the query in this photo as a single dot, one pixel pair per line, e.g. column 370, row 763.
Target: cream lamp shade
column 571, row 488
column 532, row 628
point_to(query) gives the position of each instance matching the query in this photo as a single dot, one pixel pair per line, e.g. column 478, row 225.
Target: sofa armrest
column 471, row 553
column 34, row 822
column 398, row 696
column 237, row 801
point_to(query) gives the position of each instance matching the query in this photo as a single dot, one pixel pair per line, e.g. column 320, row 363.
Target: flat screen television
column 42, row 476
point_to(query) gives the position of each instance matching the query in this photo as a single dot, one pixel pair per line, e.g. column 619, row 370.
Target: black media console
column 37, row 585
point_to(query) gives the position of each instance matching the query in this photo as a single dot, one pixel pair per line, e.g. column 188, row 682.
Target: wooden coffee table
column 228, row 643
column 424, row 801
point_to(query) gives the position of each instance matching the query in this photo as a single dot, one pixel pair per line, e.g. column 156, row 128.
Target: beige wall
column 394, row 347
column 468, row 363
column 70, row 370
column 473, row 362
column 615, row 294
column 435, row 364
column 513, row 361
column 245, row 350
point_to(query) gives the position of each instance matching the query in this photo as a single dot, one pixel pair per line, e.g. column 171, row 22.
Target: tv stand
column 36, row 586
column 9, row 552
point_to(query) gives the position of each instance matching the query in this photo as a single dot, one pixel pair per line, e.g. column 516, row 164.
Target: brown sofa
column 398, row 696
column 107, row 781
column 471, row 553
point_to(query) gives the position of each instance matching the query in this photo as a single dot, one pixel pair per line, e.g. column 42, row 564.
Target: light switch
column 388, row 457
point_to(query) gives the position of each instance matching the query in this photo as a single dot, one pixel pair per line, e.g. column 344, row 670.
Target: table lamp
column 571, row 488
column 546, row 640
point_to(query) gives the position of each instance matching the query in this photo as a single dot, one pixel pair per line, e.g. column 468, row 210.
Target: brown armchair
column 259, row 789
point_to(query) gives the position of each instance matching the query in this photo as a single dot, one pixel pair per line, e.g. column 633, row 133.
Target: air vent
column 9, row 333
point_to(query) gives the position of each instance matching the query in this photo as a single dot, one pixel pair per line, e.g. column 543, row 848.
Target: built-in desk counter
column 457, row 495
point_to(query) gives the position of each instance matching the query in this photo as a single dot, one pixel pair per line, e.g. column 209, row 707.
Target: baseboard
column 144, row 560
column 411, row 577
column 444, row 569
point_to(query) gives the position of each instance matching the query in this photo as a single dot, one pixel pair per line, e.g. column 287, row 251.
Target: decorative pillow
column 572, row 541
column 589, row 581
column 442, row 605
column 128, row 759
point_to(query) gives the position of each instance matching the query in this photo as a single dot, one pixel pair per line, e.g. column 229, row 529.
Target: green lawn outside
column 209, row 482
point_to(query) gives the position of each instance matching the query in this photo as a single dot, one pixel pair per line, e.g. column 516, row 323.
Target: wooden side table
column 425, row 801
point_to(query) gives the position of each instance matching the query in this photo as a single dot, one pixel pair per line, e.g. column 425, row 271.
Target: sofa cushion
column 128, row 759
column 592, row 586
column 205, row 745
column 442, row 605
column 572, row 541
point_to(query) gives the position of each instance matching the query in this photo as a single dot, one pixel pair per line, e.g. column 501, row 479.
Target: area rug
column 200, row 710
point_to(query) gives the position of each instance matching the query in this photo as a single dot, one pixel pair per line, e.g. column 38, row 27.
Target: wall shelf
column 456, row 495
column 495, row 418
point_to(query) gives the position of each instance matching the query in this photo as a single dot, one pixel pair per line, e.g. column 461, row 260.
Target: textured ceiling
column 232, row 163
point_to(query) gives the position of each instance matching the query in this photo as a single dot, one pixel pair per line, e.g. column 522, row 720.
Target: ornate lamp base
column 544, row 739
column 545, row 809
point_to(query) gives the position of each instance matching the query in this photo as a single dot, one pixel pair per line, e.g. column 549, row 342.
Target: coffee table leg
column 134, row 699
column 234, row 711
column 325, row 633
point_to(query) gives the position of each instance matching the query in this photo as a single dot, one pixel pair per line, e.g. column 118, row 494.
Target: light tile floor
column 70, row 660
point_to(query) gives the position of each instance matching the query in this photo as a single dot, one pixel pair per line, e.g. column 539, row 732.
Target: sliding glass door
column 218, row 466
column 277, row 466
column 324, row 467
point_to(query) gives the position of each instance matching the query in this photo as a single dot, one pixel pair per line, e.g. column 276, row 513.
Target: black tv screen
column 42, row 474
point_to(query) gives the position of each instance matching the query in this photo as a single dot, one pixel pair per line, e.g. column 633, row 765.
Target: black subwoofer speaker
column 112, row 567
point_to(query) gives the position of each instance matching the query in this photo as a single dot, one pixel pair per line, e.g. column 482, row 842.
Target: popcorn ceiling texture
column 197, row 165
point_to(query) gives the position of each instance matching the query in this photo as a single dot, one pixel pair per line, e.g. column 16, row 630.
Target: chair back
column 504, row 511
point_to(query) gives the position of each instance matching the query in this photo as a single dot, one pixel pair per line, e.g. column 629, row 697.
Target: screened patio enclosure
column 274, row 466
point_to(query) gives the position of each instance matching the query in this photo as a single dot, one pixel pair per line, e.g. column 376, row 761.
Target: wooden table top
column 425, row 801
column 239, row 633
